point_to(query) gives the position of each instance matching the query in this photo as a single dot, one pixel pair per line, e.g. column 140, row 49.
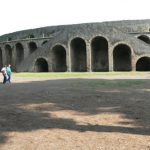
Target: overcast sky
column 18, row 15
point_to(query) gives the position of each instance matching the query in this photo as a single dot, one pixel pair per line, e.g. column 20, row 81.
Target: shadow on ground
column 84, row 96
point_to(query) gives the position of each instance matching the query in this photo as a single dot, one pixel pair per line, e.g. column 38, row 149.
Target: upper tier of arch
column 127, row 26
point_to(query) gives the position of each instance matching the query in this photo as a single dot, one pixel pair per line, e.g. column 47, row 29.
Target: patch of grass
column 77, row 74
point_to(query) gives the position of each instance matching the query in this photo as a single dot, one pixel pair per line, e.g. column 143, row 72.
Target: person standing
column 4, row 72
column 9, row 73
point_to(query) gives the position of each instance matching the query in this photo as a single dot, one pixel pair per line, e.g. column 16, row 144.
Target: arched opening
column 143, row 64
column 9, row 39
column 144, row 38
column 19, row 52
column 41, row 65
column 1, row 59
column 122, row 58
column 59, row 59
column 78, row 55
column 32, row 47
column 44, row 42
column 31, row 36
column 8, row 52
column 99, row 52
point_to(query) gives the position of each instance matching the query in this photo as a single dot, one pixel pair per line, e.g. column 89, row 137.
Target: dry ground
column 75, row 114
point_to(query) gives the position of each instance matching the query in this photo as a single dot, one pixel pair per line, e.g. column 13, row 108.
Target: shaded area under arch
column 44, row 42
column 143, row 64
column 144, row 38
column 19, row 52
column 32, row 47
column 78, row 55
column 122, row 58
column 59, row 59
column 8, row 52
column 99, row 50
column 41, row 65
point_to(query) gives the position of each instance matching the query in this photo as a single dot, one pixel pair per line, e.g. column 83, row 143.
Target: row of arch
column 99, row 57
column 19, row 52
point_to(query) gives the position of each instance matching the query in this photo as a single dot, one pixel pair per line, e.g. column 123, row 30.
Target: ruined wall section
column 113, row 36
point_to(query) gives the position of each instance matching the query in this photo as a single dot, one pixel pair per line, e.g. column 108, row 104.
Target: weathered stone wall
column 109, row 46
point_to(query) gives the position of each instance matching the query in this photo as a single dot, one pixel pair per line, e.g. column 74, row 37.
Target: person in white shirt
column 3, row 70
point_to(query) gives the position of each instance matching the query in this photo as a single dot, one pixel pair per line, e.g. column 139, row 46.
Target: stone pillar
column 50, row 64
column 110, row 59
column 1, row 58
column 14, row 57
column 68, row 59
column 26, row 49
column 133, row 63
column 38, row 43
column 88, row 56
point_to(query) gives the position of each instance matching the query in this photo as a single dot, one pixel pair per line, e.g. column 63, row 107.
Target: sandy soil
column 75, row 114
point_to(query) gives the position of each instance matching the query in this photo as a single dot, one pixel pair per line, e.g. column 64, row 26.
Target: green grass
column 77, row 74
column 92, row 83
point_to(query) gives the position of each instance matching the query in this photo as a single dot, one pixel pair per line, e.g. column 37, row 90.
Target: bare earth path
column 103, row 113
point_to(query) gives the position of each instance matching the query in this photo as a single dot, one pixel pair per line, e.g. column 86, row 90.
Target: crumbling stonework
column 106, row 46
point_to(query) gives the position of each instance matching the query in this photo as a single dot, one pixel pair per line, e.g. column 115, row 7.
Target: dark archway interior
column 99, row 54
column 19, row 52
column 59, row 59
column 144, row 38
column 9, row 39
column 8, row 51
column 32, row 47
column 44, row 42
column 41, row 65
column 122, row 58
column 31, row 36
column 143, row 64
column 1, row 59
column 78, row 55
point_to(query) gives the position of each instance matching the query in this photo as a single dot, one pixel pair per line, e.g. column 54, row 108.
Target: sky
column 16, row 15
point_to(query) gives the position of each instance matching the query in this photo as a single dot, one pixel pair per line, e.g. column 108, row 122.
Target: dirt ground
column 111, row 113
